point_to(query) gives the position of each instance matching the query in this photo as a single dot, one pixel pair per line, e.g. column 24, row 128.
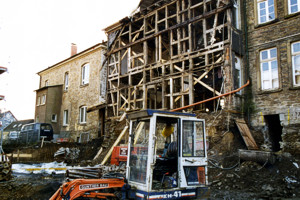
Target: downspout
column 210, row 99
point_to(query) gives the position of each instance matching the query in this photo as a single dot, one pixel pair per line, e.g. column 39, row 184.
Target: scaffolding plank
column 246, row 134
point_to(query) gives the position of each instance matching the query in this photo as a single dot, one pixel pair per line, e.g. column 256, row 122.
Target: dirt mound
column 30, row 187
column 251, row 180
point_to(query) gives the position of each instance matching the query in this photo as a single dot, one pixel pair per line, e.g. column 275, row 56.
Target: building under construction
column 170, row 54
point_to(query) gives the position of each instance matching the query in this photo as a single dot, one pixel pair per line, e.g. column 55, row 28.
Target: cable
column 225, row 168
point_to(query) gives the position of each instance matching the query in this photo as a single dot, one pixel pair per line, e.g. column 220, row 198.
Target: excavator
column 167, row 159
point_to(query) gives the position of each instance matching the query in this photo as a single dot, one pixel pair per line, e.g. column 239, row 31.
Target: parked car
column 13, row 135
column 36, row 131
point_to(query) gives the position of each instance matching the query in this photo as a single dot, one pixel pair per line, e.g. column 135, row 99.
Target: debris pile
column 5, row 168
column 68, row 155
column 249, row 180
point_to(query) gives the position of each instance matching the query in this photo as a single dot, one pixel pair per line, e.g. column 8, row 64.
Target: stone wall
column 78, row 95
column 285, row 100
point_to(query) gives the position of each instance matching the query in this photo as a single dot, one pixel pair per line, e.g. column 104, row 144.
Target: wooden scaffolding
column 169, row 55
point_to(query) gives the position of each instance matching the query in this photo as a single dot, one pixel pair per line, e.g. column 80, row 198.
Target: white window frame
column 297, row 5
column 267, row 10
column 46, row 83
column 85, row 73
column 43, row 99
column 66, row 81
column 54, row 119
column 66, row 118
column 82, row 114
column 237, row 11
column 296, row 74
column 267, row 74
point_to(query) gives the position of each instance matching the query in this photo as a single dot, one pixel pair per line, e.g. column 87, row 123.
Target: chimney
column 73, row 49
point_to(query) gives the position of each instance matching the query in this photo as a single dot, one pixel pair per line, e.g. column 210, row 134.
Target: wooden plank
column 21, row 155
column 246, row 134
column 115, row 144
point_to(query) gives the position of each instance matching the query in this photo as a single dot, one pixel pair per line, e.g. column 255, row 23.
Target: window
column 38, row 101
column 266, row 11
column 236, row 14
column 269, row 69
column 43, row 99
column 237, row 73
column 82, row 114
column 66, row 81
column 85, row 74
column 66, row 118
column 296, row 63
column 54, row 118
column 294, row 6
column 46, row 83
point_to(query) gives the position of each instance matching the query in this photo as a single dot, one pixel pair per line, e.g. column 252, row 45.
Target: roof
column 17, row 125
column 2, row 69
column 48, row 87
column 150, row 112
column 74, row 56
column 4, row 113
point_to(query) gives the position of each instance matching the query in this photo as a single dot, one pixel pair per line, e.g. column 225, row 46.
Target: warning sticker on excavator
column 93, row 186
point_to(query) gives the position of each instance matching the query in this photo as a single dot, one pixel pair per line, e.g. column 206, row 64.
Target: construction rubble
column 230, row 177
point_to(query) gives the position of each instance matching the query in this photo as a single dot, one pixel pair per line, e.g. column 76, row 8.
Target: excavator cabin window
column 166, row 153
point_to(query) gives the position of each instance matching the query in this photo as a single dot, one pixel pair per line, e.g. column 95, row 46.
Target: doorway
column 275, row 130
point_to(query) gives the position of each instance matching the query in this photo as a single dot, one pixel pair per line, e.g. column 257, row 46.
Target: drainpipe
column 213, row 98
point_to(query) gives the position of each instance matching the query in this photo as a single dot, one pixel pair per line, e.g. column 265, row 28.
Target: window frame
column 83, row 114
column 66, row 81
column 238, row 62
column 55, row 118
column 237, row 14
column 85, row 74
column 66, row 118
column 269, row 61
column 258, row 2
column 289, row 7
column 43, row 99
column 38, row 103
column 293, row 54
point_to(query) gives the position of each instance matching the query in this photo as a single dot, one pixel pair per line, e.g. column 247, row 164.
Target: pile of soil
column 252, row 180
column 30, row 187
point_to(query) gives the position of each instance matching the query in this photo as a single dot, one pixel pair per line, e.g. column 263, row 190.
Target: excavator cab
column 166, row 160
column 167, row 156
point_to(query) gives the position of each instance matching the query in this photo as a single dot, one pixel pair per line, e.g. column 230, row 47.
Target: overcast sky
column 35, row 34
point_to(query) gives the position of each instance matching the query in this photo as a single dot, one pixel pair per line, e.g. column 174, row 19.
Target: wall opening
column 275, row 130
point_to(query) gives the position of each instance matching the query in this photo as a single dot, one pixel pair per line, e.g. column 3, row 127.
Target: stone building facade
column 68, row 89
column 274, row 67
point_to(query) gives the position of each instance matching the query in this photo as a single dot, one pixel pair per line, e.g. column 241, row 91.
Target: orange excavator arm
column 93, row 188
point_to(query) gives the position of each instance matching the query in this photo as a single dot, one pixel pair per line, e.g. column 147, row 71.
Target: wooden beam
column 208, row 87
column 115, row 144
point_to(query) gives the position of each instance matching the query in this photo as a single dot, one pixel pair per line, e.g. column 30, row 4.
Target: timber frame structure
column 173, row 53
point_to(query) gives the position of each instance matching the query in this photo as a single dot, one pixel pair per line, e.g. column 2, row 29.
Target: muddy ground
column 247, row 180
column 30, row 187
column 229, row 177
